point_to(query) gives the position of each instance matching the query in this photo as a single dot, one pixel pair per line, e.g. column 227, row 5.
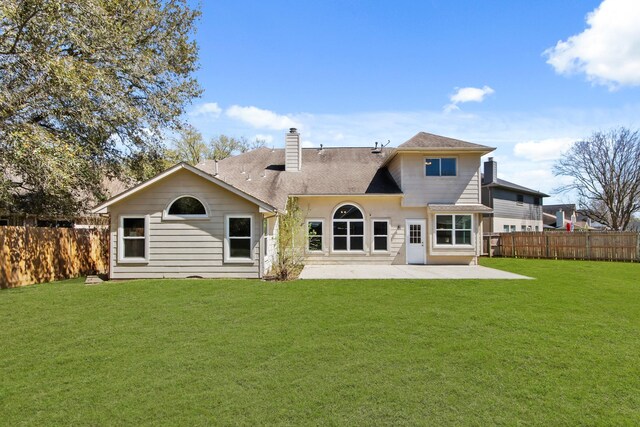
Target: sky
column 527, row 77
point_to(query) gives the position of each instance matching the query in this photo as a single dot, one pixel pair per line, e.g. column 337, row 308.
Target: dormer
column 435, row 169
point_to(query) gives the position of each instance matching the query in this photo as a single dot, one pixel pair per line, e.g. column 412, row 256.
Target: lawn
column 562, row 349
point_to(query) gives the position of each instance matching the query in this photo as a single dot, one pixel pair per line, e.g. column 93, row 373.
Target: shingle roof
column 340, row 171
column 511, row 186
column 429, row 141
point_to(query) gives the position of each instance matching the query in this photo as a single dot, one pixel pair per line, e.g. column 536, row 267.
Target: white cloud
column 467, row 94
column 544, row 150
column 608, row 52
column 261, row 119
column 207, row 109
column 306, row 144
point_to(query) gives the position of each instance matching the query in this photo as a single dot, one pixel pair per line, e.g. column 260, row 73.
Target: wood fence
column 596, row 245
column 34, row 255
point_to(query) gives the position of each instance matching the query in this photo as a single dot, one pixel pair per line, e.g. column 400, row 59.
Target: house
column 419, row 203
column 561, row 215
column 514, row 207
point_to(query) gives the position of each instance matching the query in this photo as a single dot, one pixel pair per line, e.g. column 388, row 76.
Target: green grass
column 562, row 349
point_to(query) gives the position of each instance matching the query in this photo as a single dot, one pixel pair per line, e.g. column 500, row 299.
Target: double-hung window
column 380, row 235
column 348, row 229
column 238, row 238
column 453, row 230
column 442, row 166
column 133, row 236
column 314, row 236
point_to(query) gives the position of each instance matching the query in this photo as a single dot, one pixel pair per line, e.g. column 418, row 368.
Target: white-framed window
column 133, row 239
column 537, row 228
column 348, row 229
column 519, row 199
column 315, row 232
column 454, row 230
column 523, row 228
column 505, row 228
column 380, row 235
column 513, row 228
column 441, row 166
column 185, row 207
column 238, row 241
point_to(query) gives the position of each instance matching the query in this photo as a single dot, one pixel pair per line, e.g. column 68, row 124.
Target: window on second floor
column 444, row 166
column 520, row 199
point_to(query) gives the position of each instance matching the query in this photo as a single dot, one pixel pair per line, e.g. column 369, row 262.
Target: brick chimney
column 490, row 171
column 292, row 151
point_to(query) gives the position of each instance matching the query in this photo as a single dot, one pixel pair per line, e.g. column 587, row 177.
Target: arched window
column 186, row 207
column 348, row 229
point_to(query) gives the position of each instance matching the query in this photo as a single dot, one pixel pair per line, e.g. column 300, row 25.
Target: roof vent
column 376, row 149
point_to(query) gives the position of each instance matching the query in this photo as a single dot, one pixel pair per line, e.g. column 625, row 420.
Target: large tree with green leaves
column 189, row 147
column 83, row 84
column 604, row 170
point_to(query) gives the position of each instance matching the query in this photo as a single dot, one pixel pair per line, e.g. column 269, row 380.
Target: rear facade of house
column 419, row 203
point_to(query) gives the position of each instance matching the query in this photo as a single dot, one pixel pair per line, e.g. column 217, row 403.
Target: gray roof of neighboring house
column 339, row 171
column 501, row 183
column 429, row 141
column 567, row 207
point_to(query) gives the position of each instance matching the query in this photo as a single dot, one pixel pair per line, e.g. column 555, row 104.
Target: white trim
column 227, row 249
column 167, row 217
column 120, row 249
column 373, row 235
column 103, row 207
column 306, row 243
column 348, row 235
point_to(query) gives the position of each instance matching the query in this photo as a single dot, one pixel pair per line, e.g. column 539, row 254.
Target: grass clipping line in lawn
column 558, row 350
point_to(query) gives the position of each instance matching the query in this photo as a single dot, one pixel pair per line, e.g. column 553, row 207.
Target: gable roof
column 180, row 166
column 423, row 141
column 326, row 171
column 501, row 183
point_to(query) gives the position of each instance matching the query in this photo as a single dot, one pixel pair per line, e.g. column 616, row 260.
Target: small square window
column 133, row 239
column 238, row 239
column 380, row 235
column 520, row 199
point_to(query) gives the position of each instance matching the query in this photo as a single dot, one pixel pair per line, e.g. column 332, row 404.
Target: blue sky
column 526, row 77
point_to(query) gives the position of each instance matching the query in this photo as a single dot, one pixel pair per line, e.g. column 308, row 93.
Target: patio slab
column 359, row 271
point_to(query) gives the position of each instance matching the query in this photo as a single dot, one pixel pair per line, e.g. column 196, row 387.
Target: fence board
column 35, row 255
column 596, row 245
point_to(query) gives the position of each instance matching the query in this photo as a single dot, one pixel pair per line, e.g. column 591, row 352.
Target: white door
column 415, row 241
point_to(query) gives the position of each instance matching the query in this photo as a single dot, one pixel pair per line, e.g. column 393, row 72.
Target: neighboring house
column 416, row 204
column 559, row 216
column 515, row 208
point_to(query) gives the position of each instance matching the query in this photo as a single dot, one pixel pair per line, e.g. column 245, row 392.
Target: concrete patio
column 405, row 272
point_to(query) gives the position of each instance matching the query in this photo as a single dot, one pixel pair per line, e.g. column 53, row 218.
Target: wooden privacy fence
column 596, row 245
column 34, row 255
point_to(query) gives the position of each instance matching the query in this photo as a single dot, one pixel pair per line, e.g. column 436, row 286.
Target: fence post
column 546, row 244
column 588, row 245
column 513, row 245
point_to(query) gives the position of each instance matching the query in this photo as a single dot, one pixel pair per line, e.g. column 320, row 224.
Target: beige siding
column 420, row 190
column 395, row 169
column 379, row 208
column 185, row 248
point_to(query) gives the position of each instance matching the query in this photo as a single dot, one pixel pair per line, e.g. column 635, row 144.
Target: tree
column 83, row 85
column 606, row 176
column 290, row 242
column 224, row 146
column 189, row 147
